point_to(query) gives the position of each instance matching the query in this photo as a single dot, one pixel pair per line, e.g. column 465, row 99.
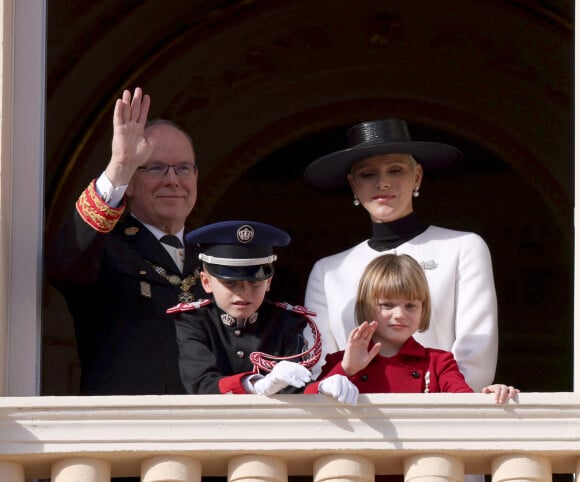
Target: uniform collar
column 158, row 233
column 229, row 320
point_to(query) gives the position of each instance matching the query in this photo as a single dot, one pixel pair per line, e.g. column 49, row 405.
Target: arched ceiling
column 249, row 77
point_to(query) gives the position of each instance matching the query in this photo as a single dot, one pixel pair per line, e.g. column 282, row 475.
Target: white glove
column 283, row 374
column 339, row 387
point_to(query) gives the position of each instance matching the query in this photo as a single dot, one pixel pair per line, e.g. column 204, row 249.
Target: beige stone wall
column 22, row 103
column 5, row 157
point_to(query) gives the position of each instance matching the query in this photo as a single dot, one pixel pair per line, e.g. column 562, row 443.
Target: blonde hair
column 412, row 162
column 392, row 276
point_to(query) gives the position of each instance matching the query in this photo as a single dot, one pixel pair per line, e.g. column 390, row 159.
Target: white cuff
column 110, row 194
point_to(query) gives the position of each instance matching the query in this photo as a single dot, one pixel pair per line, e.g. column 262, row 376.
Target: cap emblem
column 245, row 234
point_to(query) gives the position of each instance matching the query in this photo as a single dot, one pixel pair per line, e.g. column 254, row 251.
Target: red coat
column 415, row 369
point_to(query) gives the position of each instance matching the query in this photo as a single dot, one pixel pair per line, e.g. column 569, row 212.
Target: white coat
column 464, row 304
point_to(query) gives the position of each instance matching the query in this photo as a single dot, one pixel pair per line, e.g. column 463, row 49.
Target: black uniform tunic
column 214, row 352
column 125, row 339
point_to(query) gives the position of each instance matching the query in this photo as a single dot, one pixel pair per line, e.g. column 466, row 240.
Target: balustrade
column 249, row 438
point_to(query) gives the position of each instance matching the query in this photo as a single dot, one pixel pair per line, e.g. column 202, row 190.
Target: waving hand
column 130, row 148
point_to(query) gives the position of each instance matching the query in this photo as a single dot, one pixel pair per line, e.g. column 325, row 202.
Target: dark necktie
column 172, row 240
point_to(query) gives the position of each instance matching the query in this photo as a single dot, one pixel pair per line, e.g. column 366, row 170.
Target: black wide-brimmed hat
column 373, row 138
column 238, row 250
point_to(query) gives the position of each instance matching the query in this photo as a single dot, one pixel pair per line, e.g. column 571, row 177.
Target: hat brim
column 241, row 273
column 329, row 172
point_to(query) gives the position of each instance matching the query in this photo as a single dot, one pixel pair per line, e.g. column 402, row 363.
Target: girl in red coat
column 381, row 356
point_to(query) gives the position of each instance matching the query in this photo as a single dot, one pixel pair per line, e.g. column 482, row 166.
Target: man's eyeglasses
column 159, row 169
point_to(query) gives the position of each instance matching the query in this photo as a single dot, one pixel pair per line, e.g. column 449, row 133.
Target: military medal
column 189, row 281
column 184, row 284
column 185, row 296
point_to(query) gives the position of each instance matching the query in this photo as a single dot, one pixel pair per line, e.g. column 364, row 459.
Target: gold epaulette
column 96, row 212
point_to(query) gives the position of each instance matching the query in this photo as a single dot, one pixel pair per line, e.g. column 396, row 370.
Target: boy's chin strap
column 309, row 358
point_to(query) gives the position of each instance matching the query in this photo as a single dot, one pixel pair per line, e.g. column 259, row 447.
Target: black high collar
column 390, row 235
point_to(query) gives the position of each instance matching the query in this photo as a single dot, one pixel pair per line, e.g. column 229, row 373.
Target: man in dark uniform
column 117, row 271
column 238, row 342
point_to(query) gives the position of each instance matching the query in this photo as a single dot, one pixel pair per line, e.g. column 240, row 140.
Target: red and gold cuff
column 96, row 212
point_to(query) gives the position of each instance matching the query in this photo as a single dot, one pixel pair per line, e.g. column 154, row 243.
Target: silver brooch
column 432, row 264
column 427, row 381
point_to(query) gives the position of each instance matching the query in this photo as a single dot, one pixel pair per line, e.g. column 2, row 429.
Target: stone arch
column 255, row 81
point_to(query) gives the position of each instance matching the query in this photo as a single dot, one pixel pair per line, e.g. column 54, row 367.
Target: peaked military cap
column 238, row 250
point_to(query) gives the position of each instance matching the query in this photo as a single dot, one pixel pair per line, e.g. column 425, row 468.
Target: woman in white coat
column 384, row 168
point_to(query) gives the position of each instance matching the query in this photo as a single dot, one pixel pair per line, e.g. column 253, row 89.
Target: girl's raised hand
column 357, row 354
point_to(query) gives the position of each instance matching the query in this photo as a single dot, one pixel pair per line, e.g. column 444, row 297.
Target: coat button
column 415, row 374
column 240, row 354
column 364, row 378
column 238, row 332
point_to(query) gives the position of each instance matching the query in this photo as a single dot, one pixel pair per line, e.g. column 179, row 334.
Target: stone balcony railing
column 435, row 437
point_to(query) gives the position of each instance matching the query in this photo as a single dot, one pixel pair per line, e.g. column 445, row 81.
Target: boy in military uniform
column 238, row 342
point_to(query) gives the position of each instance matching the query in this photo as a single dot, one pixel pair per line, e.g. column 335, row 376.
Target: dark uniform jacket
column 415, row 369
column 125, row 339
column 214, row 352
